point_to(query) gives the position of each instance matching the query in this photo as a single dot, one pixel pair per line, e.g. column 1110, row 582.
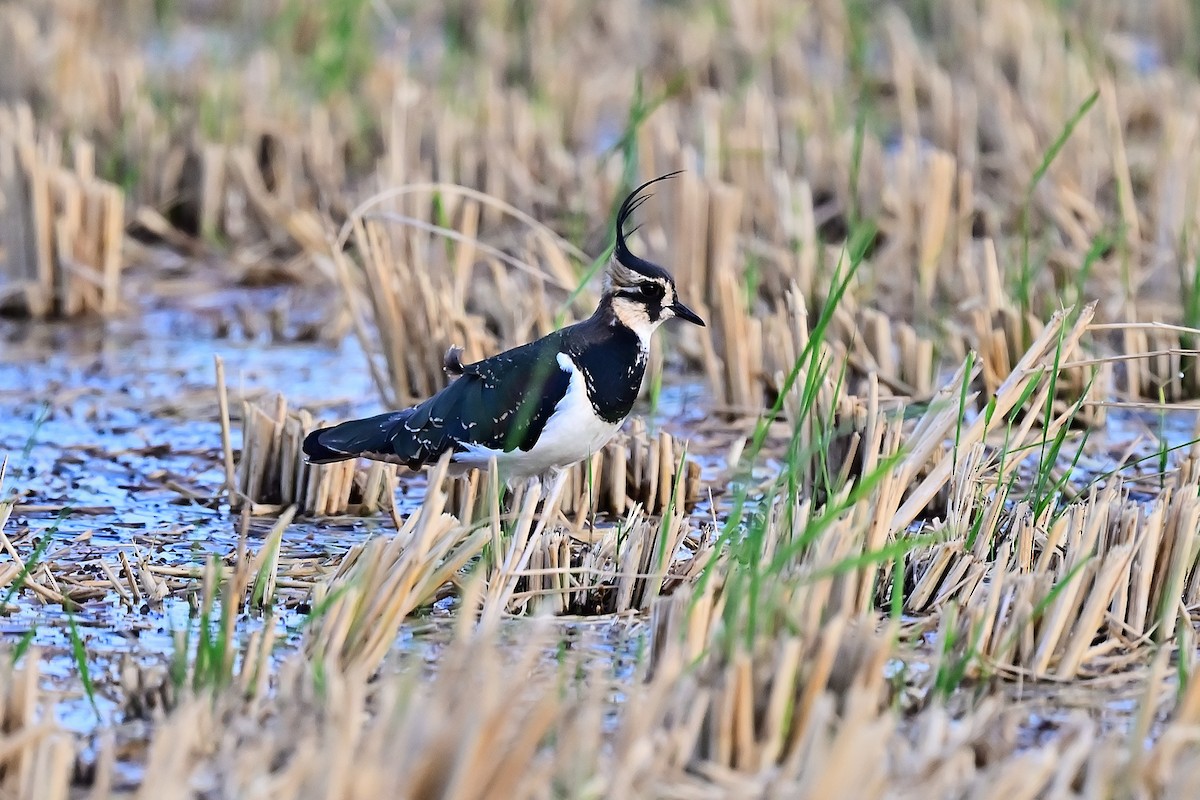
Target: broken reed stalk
column 806, row 714
column 1041, row 611
column 506, row 567
column 271, row 473
column 62, row 227
column 614, row 570
column 381, row 582
column 1039, row 584
column 37, row 753
column 226, row 433
column 1155, row 362
column 265, row 566
column 31, row 576
column 633, row 468
column 531, row 559
column 415, row 291
column 1036, row 364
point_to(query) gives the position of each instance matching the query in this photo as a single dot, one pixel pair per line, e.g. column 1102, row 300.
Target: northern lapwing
column 538, row 407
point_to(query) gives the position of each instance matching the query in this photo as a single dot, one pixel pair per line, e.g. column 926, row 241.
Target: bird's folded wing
column 502, row 403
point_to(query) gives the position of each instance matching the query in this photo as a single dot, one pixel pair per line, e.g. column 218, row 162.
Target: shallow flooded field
column 116, row 460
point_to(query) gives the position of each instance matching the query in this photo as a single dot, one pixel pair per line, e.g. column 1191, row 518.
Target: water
column 113, row 445
column 114, row 448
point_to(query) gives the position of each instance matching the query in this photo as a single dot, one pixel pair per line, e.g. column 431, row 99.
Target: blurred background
column 995, row 159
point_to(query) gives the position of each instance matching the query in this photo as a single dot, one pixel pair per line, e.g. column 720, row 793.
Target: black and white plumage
column 543, row 405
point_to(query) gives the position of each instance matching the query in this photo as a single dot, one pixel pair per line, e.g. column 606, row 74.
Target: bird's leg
column 508, row 503
column 552, row 501
column 515, row 491
column 593, row 498
column 504, row 502
column 503, row 493
column 591, row 512
column 518, row 494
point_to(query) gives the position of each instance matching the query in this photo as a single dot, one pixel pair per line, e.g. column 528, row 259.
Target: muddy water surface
column 113, row 446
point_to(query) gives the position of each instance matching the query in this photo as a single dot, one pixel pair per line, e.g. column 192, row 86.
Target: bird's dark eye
column 651, row 292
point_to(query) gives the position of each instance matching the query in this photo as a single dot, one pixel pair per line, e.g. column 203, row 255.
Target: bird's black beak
column 683, row 312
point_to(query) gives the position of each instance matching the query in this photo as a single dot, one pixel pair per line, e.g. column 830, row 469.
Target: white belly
column 573, row 432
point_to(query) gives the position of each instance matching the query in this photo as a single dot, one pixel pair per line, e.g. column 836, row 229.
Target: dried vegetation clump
column 63, row 227
column 270, row 473
column 938, row 251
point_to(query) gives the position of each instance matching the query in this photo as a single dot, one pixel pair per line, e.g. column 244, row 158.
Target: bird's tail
column 360, row 437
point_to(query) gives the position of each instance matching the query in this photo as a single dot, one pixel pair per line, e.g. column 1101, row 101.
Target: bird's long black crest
column 624, row 257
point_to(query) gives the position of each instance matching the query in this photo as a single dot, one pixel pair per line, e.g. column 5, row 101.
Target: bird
column 539, row 407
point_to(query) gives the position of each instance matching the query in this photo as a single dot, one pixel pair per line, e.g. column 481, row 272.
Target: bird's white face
column 644, row 305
